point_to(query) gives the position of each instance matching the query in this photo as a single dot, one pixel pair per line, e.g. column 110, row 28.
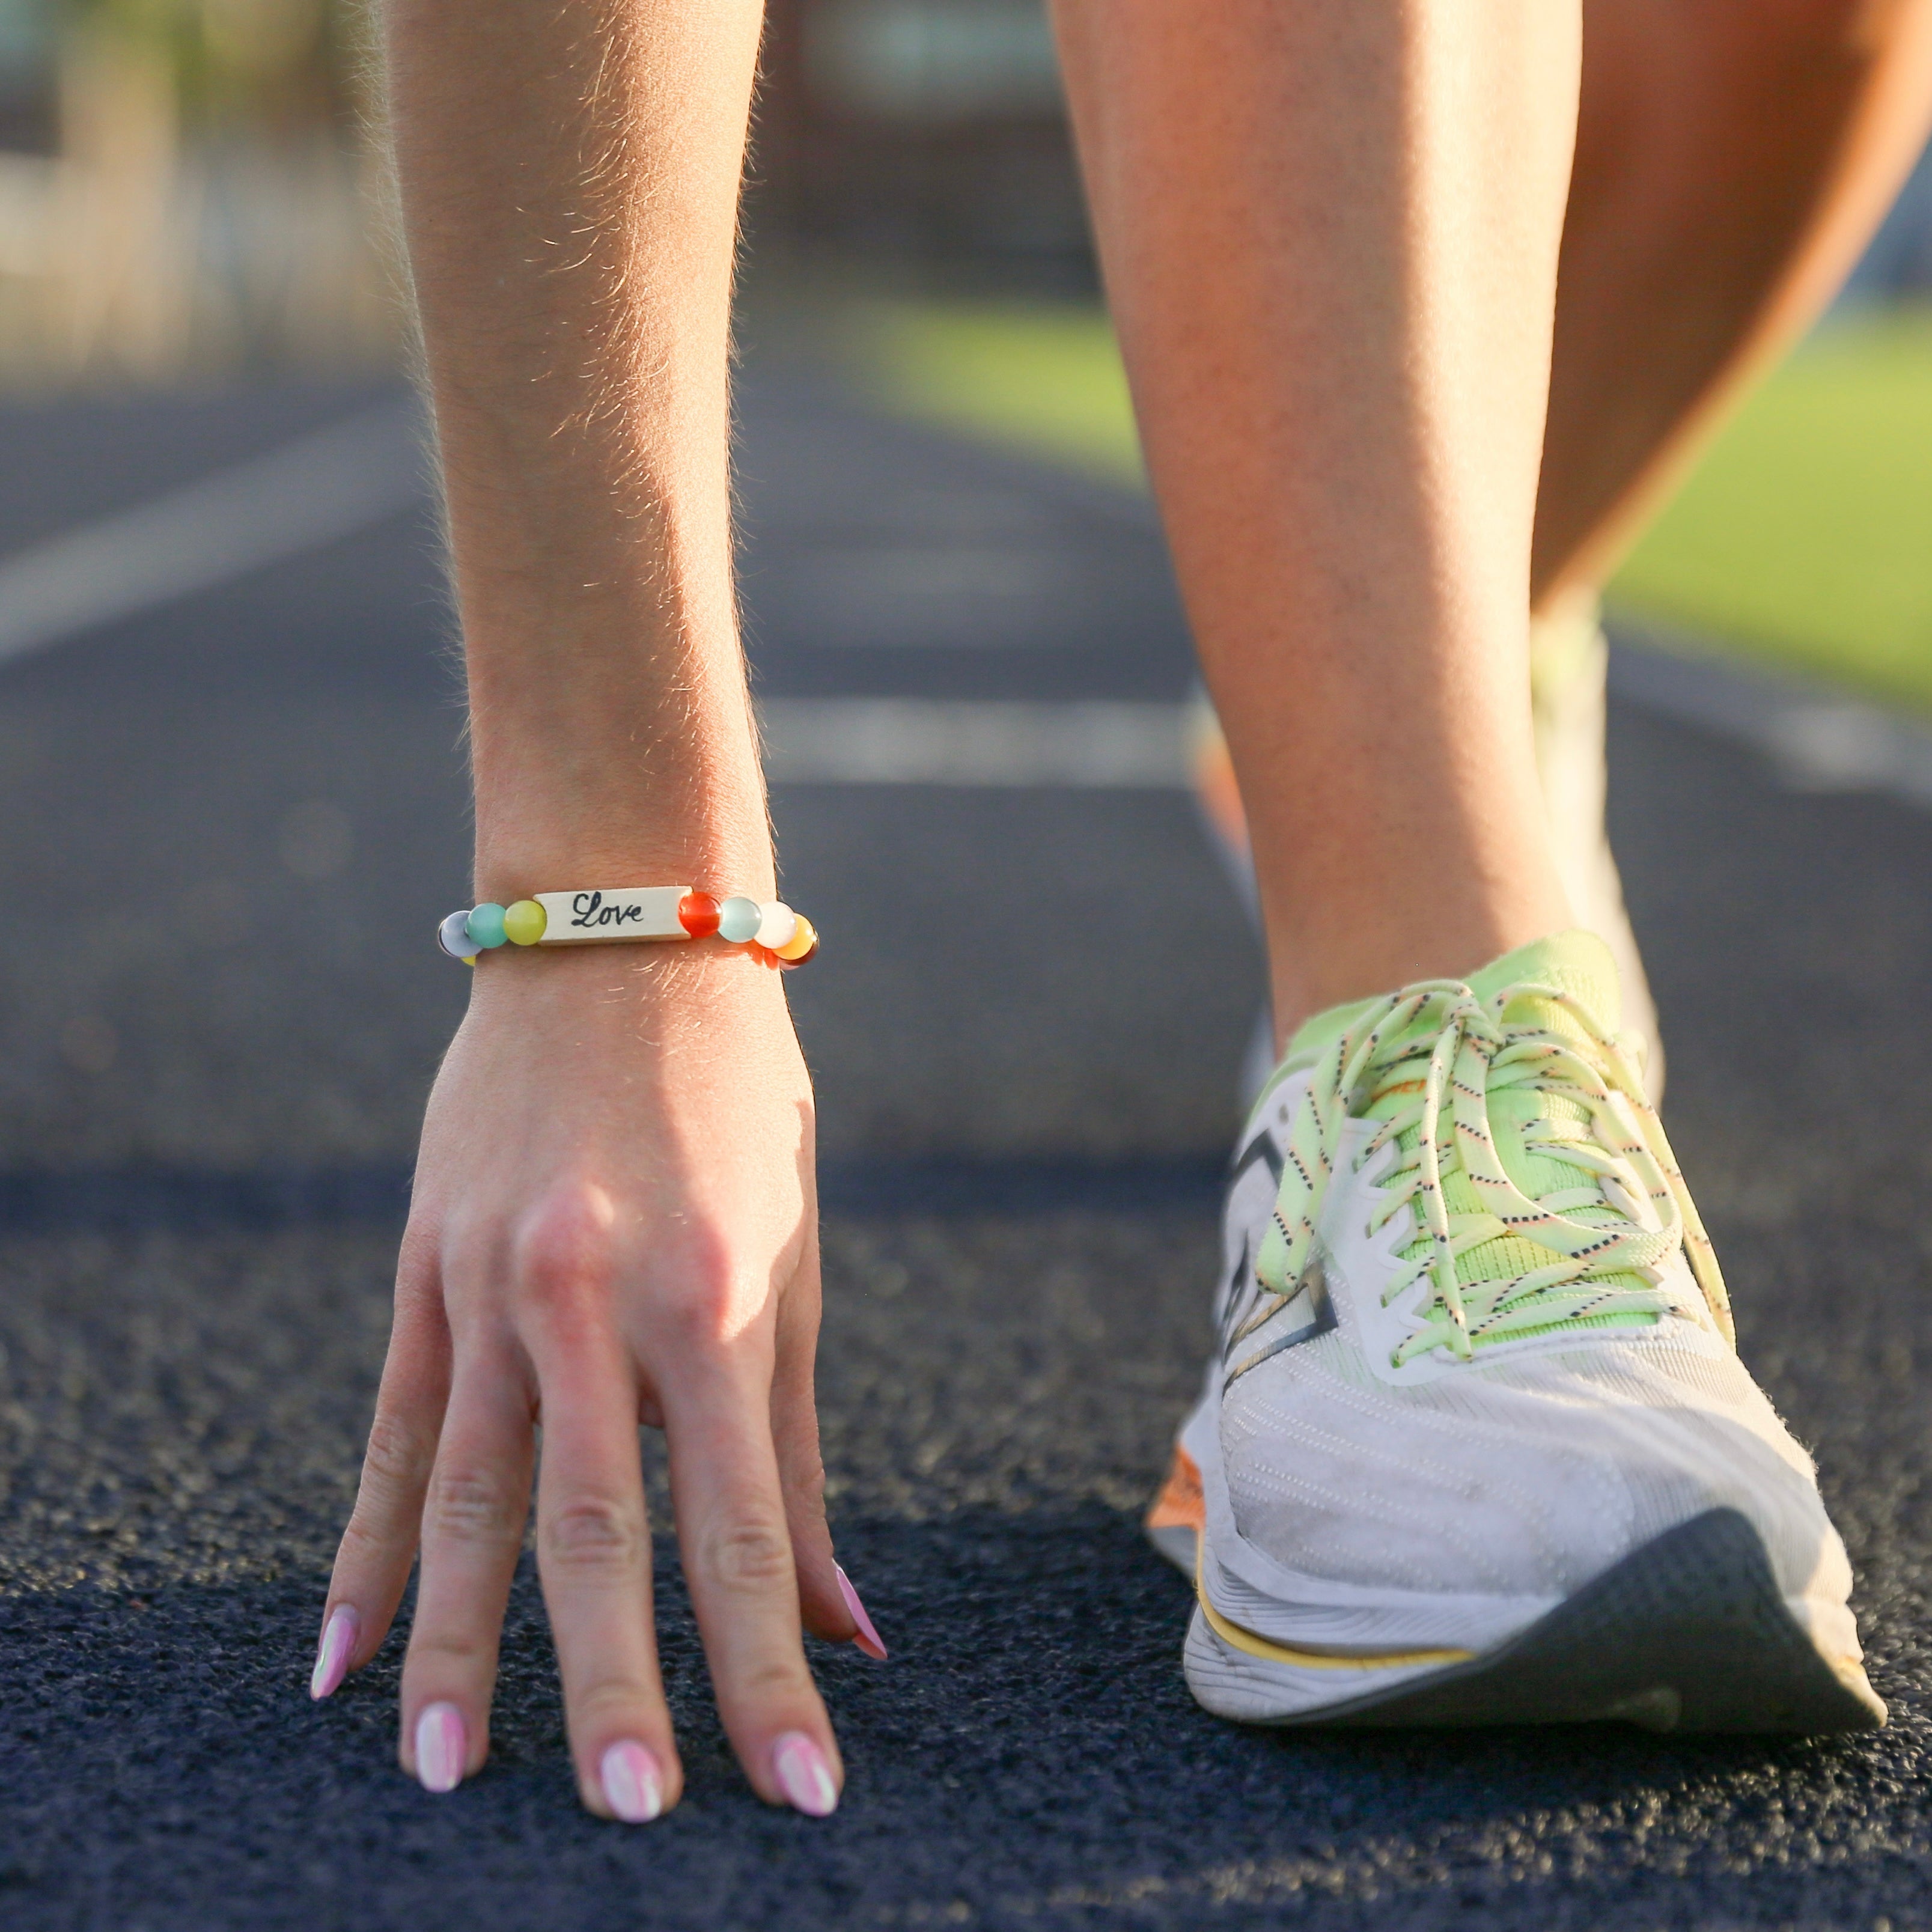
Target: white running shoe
column 1476, row 1446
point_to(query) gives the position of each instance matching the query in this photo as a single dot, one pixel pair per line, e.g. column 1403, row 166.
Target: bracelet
column 630, row 912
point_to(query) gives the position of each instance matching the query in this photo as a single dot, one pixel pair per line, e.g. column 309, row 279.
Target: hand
column 614, row 1220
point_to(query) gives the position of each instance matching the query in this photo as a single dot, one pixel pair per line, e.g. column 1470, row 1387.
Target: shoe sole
column 1690, row 1633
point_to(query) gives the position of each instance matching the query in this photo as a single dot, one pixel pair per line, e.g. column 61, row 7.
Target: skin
column 1330, row 239
column 1732, row 160
column 1733, row 157
column 1344, row 420
column 613, row 1219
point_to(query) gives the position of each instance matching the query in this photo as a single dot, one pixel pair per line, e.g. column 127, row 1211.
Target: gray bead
column 453, row 936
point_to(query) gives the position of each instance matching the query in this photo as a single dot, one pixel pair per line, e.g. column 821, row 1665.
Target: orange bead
column 697, row 914
column 801, row 945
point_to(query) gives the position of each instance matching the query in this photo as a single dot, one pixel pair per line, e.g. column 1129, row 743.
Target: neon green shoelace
column 1587, row 1250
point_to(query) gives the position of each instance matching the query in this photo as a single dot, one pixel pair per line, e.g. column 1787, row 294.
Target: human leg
column 1340, row 378
column 1732, row 160
column 1475, row 1444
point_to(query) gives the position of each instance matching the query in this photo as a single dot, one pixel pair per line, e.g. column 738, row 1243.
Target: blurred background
column 189, row 195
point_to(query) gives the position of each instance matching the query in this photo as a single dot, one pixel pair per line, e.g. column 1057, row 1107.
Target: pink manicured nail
column 442, row 1748
column 631, row 1786
column 332, row 1654
column 867, row 1640
column 804, row 1776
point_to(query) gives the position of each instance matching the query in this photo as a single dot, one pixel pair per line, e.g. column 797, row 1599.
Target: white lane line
column 1816, row 740
column 342, row 478
column 328, row 483
column 1094, row 746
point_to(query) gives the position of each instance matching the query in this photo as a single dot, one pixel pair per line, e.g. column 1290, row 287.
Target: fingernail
column 631, row 1787
column 804, row 1776
column 868, row 1639
column 442, row 1748
column 333, row 1653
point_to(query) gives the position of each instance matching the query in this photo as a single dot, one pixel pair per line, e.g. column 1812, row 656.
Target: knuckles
column 576, row 1267
column 564, row 1253
column 750, row 1556
column 474, row 1506
column 394, row 1462
column 593, row 1536
column 572, row 1252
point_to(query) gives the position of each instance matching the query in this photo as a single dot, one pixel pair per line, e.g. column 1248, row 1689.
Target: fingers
column 740, row 1566
column 472, row 1530
column 831, row 1608
column 449, row 1465
column 827, row 1604
column 379, row 1547
column 594, row 1551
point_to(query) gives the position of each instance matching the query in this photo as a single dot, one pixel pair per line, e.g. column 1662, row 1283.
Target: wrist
column 704, row 977
column 615, row 745
column 582, row 821
column 624, row 850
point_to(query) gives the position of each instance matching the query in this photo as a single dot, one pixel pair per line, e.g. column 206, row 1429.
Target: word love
column 632, row 912
column 590, row 909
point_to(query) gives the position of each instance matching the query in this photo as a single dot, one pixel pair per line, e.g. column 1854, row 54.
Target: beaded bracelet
column 630, row 912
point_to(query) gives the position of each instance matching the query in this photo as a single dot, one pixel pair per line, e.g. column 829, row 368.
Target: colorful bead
column 776, row 924
column 453, row 936
column 697, row 913
column 486, row 924
column 739, row 920
column 772, row 931
column 525, row 922
column 801, row 945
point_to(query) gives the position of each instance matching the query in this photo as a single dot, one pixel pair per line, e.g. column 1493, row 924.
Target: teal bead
column 486, row 924
column 739, row 920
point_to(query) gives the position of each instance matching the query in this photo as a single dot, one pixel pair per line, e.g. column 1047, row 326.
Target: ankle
column 1314, row 969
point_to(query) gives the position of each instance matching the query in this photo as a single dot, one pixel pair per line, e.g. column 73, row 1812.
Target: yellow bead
column 801, row 942
column 524, row 923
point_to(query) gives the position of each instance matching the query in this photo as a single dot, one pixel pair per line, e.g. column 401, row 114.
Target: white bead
column 453, row 936
column 777, row 922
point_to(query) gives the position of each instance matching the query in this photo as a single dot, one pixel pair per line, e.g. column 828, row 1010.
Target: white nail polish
column 804, row 1776
column 332, row 1655
column 442, row 1748
column 631, row 1787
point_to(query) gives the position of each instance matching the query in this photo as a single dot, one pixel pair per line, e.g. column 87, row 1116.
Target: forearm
column 569, row 178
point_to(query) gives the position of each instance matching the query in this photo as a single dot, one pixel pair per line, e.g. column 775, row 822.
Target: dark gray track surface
column 1026, row 1024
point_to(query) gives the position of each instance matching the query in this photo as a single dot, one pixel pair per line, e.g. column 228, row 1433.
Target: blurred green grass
column 1803, row 539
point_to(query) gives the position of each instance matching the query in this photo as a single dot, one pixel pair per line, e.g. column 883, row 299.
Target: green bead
column 739, row 920
column 524, row 923
column 486, row 925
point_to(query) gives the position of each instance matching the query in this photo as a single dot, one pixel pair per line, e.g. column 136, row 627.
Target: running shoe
column 1475, row 1446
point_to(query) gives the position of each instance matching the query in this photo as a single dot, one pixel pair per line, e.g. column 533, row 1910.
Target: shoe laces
column 1436, row 1066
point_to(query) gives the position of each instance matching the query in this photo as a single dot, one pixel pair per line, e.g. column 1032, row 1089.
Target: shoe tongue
column 1576, row 962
